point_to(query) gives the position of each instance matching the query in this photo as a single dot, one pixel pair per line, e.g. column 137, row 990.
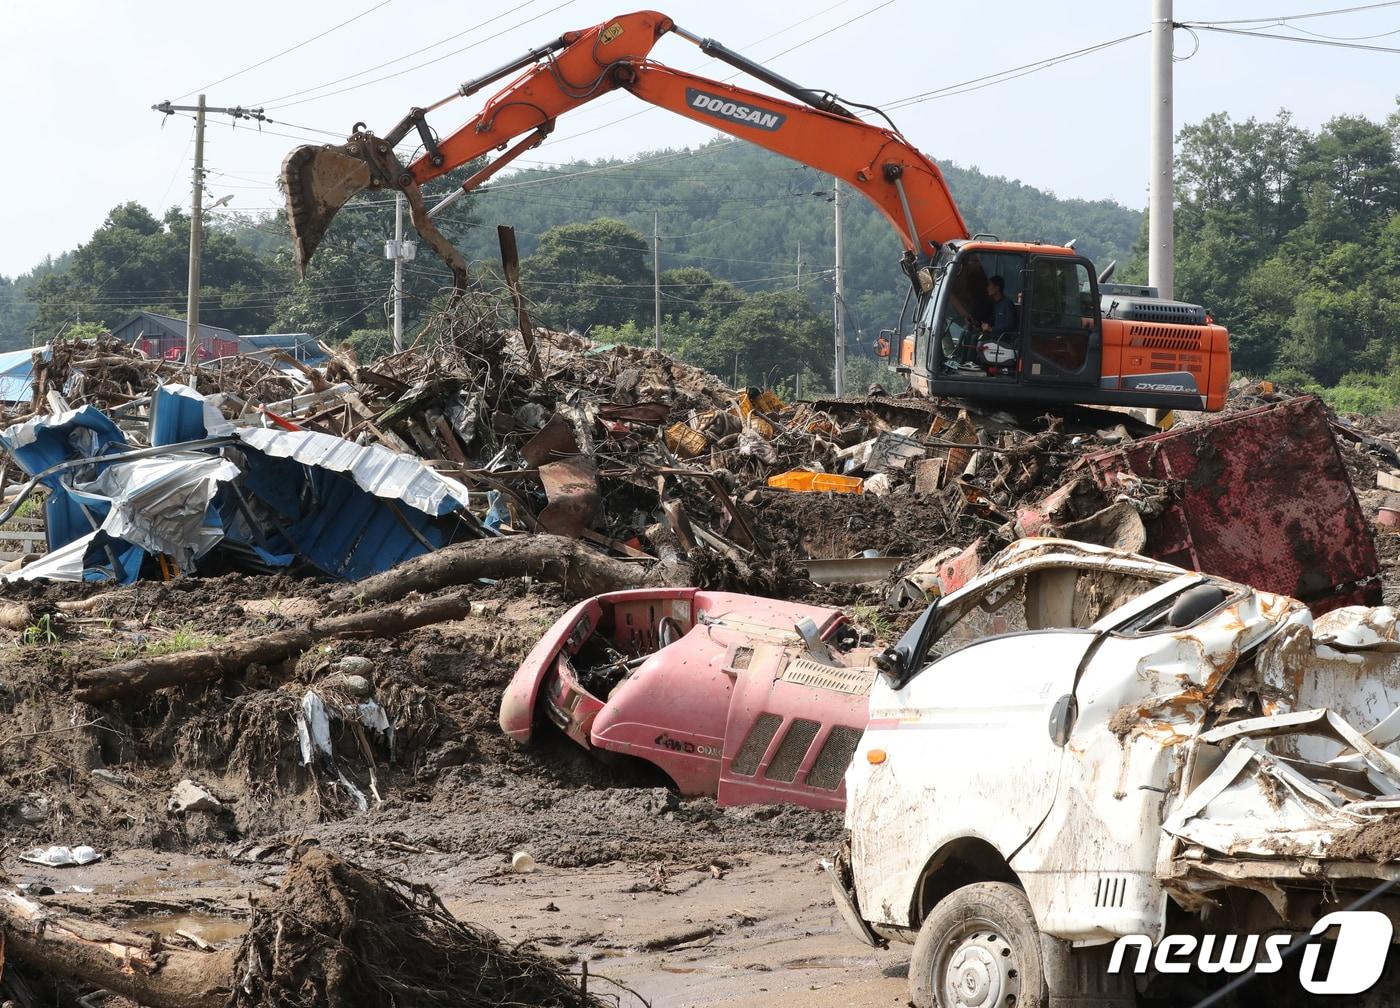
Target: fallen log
column 141, row 676
column 132, row 965
column 579, row 570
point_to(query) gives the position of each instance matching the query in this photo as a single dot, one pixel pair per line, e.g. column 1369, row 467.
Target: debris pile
column 380, row 545
column 334, row 934
column 337, row 934
column 477, row 431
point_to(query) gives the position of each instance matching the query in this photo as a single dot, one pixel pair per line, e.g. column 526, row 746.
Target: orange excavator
column 992, row 320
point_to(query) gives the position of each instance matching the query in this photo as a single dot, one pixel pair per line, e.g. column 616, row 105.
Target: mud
column 1377, row 841
column 817, row 525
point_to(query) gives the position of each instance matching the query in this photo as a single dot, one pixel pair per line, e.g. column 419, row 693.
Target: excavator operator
column 996, row 350
column 1003, row 322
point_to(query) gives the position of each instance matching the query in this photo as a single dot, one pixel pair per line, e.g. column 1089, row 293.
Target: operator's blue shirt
column 1003, row 317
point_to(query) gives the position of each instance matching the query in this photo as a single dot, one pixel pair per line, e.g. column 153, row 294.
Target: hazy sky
column 79, row 77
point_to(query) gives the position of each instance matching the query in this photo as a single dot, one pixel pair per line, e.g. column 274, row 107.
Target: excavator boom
column 1063, row 334
column 580, row 66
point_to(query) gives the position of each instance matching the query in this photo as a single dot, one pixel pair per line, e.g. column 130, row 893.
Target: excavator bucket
column 317, row 182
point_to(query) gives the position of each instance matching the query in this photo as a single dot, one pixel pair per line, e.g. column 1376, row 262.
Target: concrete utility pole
column 196, row 241
column 1162, row 188
column 197, row 214
column 398, row 271
column 798, row 288
column 400, row 252
column 840, row 301
column 656, row 270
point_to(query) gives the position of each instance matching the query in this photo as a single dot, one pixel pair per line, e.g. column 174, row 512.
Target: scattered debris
column 61, row 857
column 187, row 796
column 337, row 934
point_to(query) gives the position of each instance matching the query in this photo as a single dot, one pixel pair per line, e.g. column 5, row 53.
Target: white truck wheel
column 979, row 948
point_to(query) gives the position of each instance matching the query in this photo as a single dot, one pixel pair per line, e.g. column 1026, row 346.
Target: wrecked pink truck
column 753, row 700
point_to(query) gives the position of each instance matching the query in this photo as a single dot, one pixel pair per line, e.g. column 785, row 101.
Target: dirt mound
column 338, row 935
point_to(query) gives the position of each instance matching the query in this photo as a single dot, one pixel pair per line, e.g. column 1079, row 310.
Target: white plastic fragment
column 61, row 857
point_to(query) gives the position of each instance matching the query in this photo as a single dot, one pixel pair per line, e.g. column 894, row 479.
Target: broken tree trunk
column 132, row 965
column 146, row 675
column 579, row 570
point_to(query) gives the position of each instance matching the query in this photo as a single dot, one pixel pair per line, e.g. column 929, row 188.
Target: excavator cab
column 1056, row 349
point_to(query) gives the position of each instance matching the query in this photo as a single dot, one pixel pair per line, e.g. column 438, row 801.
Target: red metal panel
column 1265, row 500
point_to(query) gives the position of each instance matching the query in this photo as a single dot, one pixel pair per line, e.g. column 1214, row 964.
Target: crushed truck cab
column 1083, row 744
column 752, row 700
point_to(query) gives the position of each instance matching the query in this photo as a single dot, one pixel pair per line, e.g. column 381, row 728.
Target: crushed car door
column 984, row 709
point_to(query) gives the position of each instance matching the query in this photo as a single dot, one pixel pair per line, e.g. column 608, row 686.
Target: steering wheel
column 668, row 630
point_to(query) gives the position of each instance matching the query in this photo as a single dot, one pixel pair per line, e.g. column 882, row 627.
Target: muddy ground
column 624, row 860
column 676, row 899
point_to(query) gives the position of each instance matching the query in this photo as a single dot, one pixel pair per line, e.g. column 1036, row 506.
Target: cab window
column 1062, row 311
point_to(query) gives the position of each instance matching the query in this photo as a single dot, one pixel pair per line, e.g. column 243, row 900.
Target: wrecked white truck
column 1082, row 745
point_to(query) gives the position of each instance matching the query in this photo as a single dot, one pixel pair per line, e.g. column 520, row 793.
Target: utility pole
column 840, row 302
column 656, row 270
column 1162, row 188
column 398, row 271
column 799, row 266
column 197, row 215
column 400, row 252
column 196, row 241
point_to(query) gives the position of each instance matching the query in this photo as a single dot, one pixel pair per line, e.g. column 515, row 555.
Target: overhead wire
column 321, row 35
column 436, row 59
column 1276, row 18
column 1288, row 38
column 405, row 56
column 1011, row 73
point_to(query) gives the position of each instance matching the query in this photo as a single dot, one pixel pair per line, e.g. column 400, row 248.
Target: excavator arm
column 578, row 67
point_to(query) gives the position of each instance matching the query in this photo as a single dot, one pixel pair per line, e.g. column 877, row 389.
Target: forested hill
column 740, row 213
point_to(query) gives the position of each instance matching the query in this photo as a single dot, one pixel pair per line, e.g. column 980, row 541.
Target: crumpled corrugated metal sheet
column 347, row 509
column 163, row 504
column 374, row 469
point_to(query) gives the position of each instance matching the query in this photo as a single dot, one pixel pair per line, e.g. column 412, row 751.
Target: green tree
column 370, row 344
column 584, row 275
column 134, row 261
column 772, row 335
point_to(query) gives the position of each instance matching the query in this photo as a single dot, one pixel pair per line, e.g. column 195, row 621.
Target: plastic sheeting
column 314, row 734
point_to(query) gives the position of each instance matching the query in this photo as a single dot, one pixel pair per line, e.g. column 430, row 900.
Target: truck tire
column 979, row 948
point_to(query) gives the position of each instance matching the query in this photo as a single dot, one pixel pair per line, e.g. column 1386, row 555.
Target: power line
column 1278, row 18
column 1288, row 38
column 1345, row 38
column 284, row 52
column 1002, row 76
column 400, row 59
column 436, row 59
